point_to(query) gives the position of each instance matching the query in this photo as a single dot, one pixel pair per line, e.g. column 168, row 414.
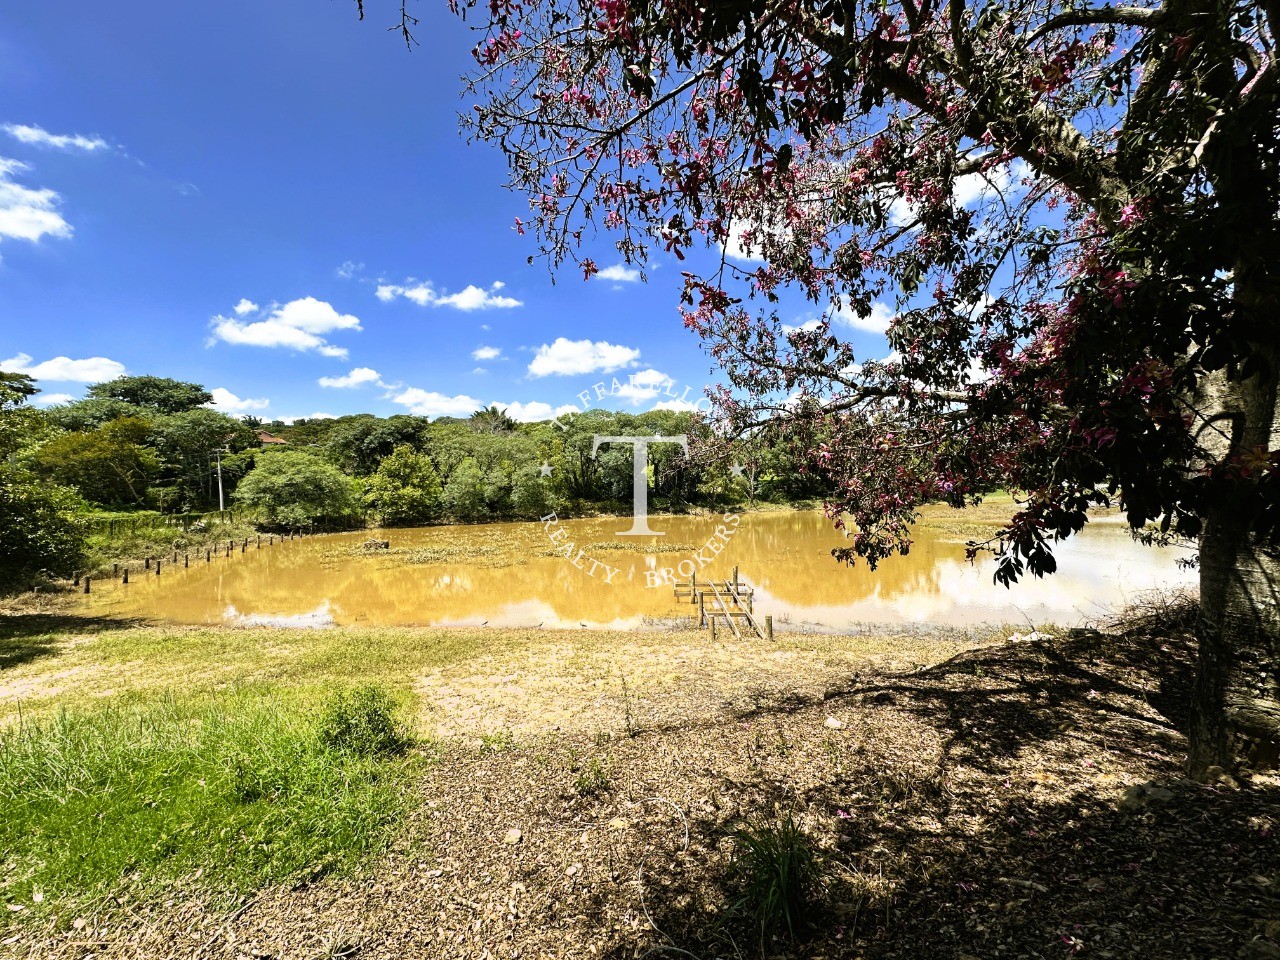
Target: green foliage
column 363, row 722
column 776, row 868
column 235, row 786
column 492, row 419
column 42, row 528
column 464, row 491
column 108, row 465
column 531, row 494
column 405, row 490
column 41, row 524
column 160, row 394
column 359, row 444
column 186, row 443
column 593, row 778
column 294, row 488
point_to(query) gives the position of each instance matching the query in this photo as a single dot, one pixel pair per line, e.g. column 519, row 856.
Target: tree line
column 151, row 443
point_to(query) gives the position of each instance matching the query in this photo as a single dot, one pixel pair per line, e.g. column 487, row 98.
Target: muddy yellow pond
column 585, row 573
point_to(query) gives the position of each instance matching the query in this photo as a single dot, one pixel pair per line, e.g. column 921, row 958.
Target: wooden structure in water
column 730, row 599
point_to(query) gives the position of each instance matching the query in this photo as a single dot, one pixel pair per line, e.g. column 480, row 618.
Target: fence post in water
column 244, row 546
column 768, row 626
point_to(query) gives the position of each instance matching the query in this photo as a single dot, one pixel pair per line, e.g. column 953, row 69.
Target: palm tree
column 492, row 419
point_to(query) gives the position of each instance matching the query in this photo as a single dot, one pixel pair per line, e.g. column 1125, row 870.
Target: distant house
column 268, row 440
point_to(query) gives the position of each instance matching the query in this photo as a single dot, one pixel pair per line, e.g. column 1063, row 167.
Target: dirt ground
column 993, row 799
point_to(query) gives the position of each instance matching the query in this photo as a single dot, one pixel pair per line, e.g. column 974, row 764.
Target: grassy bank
column 223, row 793
column 183, row 792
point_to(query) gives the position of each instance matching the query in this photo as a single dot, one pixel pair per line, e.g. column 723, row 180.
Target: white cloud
column 50, row 399
column 643, row 385
column 428, row 403
column 680, row 406
column 225, row 401
column 64, row 369
column 535, row 411
column 812, row 324
column 877, row 321
column 735, row 249
column 566, row 357
column 486, row 353
column 620, row 273
column 245, row 306
column 27, row 214
column 296, row 325
column 356, row 378
column 467, row 299
column 43, row 138
column 349, row 269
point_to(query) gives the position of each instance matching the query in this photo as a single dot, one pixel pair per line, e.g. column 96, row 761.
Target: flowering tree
column 1072, row 209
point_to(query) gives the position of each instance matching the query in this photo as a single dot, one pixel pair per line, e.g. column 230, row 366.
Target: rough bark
column 1236, row 709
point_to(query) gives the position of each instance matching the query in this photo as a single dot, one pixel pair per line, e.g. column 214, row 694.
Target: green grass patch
column 232, row 789
column 775, row 866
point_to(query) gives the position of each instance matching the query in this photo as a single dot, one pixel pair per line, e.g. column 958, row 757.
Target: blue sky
column 273, row 199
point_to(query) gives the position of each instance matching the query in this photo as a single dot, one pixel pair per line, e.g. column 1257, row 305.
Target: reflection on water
column 315, row 619
column 514, row 575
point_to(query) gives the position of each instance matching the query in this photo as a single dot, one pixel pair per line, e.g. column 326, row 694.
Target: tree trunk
column 1236, row 707
column 1236, row 711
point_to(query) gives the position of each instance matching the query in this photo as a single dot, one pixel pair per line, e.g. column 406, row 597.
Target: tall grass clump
column 775, row 869
column 234, row 790
column 363, row 722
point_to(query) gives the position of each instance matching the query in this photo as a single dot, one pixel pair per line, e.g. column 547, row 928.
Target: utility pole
column 218, row 452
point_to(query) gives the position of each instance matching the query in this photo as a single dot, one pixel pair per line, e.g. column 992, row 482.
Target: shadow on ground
column 25, row 637
column 1001, row 845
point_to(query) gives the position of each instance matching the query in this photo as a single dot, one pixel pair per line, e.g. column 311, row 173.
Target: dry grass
column 964, row 796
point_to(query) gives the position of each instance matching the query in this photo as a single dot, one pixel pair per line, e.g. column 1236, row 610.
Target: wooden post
column 147, row 564
column 208, row 556
column 735, row 581
column 713, row 628
column 115, row 570
column 186, row 560
column 244, row 546
column 76, row 582
column 259, row 541
column 86, row 584
column 175, row 556
column 768, row 626
column 693, row 587
column 702, row 611
column 125, row 578
column 157, row 568
column 271, row 540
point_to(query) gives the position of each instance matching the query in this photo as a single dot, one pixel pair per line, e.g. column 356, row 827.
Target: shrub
column 363, row 722
column 592, row 778
column 295, row 489
column 777, row 869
